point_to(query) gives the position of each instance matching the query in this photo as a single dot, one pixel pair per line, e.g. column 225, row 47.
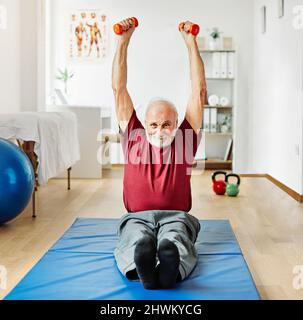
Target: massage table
column 50, row 140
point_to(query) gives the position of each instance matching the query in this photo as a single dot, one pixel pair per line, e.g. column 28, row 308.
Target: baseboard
column 117, row 165
column 295, row 195
column 288, row 190
column 253, row 175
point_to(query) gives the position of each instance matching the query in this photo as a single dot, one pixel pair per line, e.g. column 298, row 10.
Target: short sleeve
column 191, row 138
column 133, row 123
column 132, row 133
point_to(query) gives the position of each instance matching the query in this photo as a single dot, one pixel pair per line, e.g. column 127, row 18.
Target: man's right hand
column 128, row 27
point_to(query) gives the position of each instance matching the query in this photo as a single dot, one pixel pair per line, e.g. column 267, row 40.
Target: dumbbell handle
column 194, row 29
column 118, row 29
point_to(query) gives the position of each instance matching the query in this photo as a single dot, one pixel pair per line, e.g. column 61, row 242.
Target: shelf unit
column 226, row 79
column 216, row 143
column 201, row 51
column 218, row 107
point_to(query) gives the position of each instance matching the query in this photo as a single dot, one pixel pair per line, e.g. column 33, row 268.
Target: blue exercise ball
column 17, row 180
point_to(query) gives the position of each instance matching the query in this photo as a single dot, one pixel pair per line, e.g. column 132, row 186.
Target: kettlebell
column 219, row 186
column 232, row 189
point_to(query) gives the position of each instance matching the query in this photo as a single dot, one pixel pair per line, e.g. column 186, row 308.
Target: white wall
column 18, row 57
column 9, row 59
column 28, row 55
column 158, row 63
column 276, row 117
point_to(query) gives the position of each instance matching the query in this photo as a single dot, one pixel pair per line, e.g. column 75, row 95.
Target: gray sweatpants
column 179, row 227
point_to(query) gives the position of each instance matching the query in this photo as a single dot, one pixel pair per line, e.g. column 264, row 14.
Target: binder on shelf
column 208, row 68
column 231, row 65
column 228, row 151
column 213, row 120
column 206, row 120
column 216, row 65
column 223, row 65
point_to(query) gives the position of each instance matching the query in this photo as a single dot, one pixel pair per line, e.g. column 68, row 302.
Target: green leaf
column 64, row 75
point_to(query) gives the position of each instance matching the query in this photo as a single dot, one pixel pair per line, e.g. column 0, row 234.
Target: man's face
column 160, row 124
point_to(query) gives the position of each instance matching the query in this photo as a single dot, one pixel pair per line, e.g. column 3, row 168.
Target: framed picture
column 263, row 19
column 201, row 41
column 280, row 8
column 227, row 43
column 87, row 40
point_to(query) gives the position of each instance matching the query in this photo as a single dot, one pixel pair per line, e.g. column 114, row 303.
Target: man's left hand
column 184, row 28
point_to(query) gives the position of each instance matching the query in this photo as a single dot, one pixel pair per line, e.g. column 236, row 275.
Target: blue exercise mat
column 81, row 266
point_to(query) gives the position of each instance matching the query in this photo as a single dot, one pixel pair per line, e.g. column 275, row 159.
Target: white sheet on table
column 55, row 135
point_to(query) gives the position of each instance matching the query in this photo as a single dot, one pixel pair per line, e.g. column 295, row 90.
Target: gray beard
column 158, row 142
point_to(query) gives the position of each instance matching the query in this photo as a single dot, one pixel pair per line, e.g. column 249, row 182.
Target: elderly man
column 157, row 234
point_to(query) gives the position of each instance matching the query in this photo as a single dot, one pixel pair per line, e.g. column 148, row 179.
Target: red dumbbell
column 118, row 29
column 194, row 29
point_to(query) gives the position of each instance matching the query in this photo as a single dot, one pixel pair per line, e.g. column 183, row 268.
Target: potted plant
column 226, row 124
column 215, row 37
column 64, row 76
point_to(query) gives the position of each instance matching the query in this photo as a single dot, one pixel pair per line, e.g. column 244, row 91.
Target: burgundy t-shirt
column 157, row 178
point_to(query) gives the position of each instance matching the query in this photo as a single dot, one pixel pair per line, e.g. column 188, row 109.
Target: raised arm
column 195, row 107
column 124, row 104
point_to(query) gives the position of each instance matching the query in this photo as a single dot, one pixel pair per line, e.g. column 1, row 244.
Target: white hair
column 159, row 100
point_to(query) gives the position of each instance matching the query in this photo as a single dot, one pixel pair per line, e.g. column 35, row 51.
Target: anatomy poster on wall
column 88, row 36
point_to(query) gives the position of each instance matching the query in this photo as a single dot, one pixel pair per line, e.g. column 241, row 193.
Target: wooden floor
column 267, row 222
